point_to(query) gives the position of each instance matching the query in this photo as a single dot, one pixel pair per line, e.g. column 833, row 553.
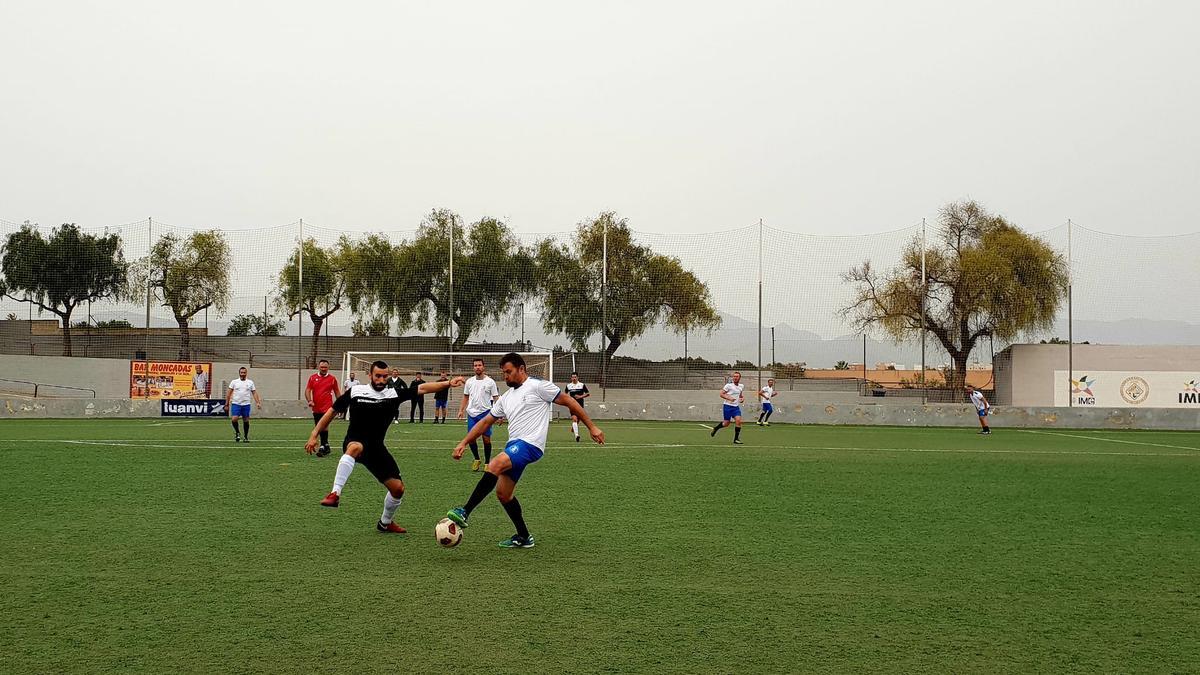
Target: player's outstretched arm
column 315, row 437
column 476, row 431
column 578, row 411
column 434, row 387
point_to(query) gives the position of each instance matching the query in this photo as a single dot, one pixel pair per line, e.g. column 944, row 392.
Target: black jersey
column 443, row 395
column 371, row 411
column 576, row 390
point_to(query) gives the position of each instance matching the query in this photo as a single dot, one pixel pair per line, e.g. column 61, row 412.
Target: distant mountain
column 737, row 340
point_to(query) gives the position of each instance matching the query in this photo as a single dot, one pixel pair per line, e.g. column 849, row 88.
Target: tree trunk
column 958, row 377
column 185, row 339
column 66, row 331
column 316, row 339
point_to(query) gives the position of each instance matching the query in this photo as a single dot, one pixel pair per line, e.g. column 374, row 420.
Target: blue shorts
column 439, row 403
column 522, row 455
column 731, row 411
column 982, row 413
column 471, row 424
column 239, row 410
column 767, row 407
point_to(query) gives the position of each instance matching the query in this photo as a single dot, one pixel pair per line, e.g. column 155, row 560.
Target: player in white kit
column 732, row 395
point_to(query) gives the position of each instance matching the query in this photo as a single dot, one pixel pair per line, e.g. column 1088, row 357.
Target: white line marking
column 1110, row 440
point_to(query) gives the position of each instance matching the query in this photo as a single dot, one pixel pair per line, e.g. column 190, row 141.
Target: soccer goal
column 431, row 365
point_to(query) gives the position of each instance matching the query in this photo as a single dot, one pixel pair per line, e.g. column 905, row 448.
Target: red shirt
column 322, row 390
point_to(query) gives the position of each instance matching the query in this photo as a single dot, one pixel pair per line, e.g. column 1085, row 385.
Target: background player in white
column 764, row 397
column 578, row 391
column 733, row 397
column 237, row 401
column 982, row 408
column 526, row 405
column 479, row 393
column 372, row 409
column 350, row 382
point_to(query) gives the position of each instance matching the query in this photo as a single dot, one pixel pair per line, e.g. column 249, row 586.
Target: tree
column 324, row 287
column 408, row 282
column 189, row 275
column 58, row 274
column 841, row 365
column 644, row 288
column 254, row 324
column 986, row 278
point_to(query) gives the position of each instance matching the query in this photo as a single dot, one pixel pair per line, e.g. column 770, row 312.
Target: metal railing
column 38, row 386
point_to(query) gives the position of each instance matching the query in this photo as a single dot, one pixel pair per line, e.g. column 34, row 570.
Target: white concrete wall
column 1026, row 378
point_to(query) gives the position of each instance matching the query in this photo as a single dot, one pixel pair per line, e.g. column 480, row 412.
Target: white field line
column 1110, row 440
column 136, row 443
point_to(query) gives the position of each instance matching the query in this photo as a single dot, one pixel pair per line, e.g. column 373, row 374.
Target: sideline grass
column 151, row 546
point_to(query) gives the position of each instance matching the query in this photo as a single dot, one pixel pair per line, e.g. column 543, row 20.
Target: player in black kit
column 372, row 408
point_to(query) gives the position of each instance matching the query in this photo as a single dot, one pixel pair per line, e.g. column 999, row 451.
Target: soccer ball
column 447, row 533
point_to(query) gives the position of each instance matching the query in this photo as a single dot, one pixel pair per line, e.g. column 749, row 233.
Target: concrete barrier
column 658, row 408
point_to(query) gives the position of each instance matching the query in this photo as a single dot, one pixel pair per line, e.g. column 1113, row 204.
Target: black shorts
column 376, row 458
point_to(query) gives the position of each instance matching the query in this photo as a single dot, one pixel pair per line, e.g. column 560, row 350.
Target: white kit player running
column 732, row 395
column 764, row 397
column 479, row 393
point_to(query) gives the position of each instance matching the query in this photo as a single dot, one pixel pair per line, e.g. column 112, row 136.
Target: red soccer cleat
column 331, row 500
column 390, row 527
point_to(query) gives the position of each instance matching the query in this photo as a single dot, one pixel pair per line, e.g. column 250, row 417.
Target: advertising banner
column 209, row 407
column 1128, row 389
column 169, row 379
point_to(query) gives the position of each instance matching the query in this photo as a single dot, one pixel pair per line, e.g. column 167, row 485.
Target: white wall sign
column 1127, row 389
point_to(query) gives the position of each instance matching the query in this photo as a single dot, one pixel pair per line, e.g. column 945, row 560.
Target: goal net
column 431, row 365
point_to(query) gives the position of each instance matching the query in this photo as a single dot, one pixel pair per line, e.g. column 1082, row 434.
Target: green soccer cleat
column 458, row 516
column 517, row 541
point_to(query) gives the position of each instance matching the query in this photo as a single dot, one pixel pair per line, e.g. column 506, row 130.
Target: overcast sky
column 817, row 117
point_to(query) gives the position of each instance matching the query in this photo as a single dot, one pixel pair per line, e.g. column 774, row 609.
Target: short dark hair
column 322, row 361
column 379, row 364
column 575, row 373
column 474, row 361
column 513, row 358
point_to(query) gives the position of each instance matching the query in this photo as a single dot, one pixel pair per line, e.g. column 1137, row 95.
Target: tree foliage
column 323, row 289
column 254, row 324
column 59, row 273
column 189, row 275
column 407, row 283
column 644, row 288
column 986, row 278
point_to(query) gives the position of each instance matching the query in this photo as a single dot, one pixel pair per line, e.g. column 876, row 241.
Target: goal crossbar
column 455, row 363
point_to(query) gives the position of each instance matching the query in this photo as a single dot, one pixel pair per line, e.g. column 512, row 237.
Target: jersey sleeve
column 584, row 390
column 547, row 391
column 497, row 409
column 495, row 391
column 342, row 404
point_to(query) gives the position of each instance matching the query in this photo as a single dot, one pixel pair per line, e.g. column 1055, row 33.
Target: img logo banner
column 202, row 407
column 1127, row 389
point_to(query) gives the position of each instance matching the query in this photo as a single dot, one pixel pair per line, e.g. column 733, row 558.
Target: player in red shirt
column 320, row 393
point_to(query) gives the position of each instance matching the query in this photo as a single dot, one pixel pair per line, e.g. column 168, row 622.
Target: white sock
column 345, row 467
column 575, row 427
column 390, row 504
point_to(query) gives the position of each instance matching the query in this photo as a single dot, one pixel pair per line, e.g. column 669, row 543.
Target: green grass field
column 159, row 546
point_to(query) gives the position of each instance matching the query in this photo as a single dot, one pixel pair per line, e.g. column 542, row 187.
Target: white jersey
column 766, row 393
column 480, row 394
column 734, row 391
column 527, row 408
column 200, row 382
column 977, row 399
column 242, row 391
column 350, row 384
